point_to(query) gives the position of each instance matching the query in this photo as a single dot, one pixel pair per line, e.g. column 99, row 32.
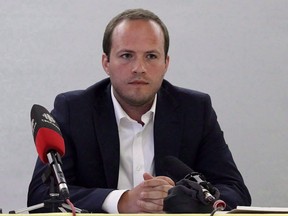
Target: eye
column 126, row 56
column 151, row 56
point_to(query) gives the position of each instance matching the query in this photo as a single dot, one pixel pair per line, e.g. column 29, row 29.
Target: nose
column 139, row 66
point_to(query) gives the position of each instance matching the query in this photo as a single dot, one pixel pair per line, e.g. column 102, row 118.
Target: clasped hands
column 147, row 197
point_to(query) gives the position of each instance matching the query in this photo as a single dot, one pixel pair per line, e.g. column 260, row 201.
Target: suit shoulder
column 78, row 103
column 90, row 93
column 185, row 93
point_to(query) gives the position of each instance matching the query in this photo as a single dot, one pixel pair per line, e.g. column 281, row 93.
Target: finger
column 149, row 212
column 155, row 182
column 153, row 195
column 155, row 201
column 159, row 193
column 169, row 180
column 161, row 188
column 149, row 207
column 147, row 176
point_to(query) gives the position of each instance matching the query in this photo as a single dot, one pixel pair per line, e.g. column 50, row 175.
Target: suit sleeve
column 217, row 164
column 84, row 197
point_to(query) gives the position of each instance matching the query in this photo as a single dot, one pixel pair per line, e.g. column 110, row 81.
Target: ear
column 167, row 60
column 105, row 63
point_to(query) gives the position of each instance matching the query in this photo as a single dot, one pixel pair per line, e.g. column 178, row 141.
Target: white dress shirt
column 136, row 152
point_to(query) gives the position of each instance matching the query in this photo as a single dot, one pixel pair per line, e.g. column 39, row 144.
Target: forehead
column 138, row 32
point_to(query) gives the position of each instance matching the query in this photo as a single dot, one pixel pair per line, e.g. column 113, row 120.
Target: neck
column 136, row 112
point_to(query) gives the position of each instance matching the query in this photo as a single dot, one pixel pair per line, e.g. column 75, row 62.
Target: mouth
column 138, row 82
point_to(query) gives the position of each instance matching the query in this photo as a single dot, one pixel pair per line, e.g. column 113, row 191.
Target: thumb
column 147, row 176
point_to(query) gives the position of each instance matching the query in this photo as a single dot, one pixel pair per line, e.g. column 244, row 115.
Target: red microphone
column 46, row 133
column 49, row 144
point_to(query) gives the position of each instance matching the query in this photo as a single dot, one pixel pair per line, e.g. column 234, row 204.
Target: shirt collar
column 120, row 113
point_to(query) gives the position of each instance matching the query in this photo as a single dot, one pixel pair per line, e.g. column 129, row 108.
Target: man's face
column 137, row 63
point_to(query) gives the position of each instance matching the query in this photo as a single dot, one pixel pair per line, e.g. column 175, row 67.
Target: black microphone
column 49, row 144
column 177, row 170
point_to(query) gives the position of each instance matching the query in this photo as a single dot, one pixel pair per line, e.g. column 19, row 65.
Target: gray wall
column 235, row 50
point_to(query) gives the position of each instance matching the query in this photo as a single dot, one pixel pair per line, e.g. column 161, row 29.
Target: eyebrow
column 131, row 51
column 153, row 51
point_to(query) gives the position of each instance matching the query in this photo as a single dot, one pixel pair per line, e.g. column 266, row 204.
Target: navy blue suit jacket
column 185, row 126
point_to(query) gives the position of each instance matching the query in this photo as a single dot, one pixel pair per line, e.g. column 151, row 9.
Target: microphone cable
column 71, row 206
column 219, row 205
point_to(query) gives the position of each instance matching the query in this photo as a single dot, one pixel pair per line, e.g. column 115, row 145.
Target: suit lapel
column 167, row 128
column 167, row 132
column 107, row 134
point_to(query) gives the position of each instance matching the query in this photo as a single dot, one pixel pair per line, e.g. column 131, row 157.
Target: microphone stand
column 55, row 203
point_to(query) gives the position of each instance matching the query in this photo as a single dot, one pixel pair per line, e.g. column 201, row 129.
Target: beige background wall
column 235, row 50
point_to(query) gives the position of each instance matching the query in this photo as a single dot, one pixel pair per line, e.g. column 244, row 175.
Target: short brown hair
column 133, row 14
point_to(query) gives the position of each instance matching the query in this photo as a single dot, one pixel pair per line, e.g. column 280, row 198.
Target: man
column 117, row 131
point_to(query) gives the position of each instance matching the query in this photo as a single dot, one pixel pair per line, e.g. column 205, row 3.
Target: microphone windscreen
column 48, row 140
column 46, row 133
column 175, row 168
